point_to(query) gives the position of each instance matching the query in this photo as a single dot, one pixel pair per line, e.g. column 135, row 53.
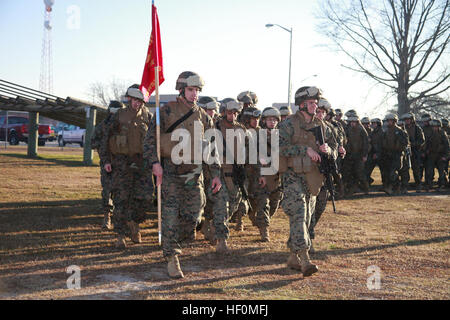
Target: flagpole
column 158, row 148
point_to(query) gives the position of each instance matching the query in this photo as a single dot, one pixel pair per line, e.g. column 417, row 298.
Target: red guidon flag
column 154, row 59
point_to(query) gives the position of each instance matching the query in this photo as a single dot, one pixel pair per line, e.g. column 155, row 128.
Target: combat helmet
column 352, row 115
column 271, row 112
column 285, row 111
column 306, row 93
column 189, row 79
column 232, row 104
column 251, row 112
column 365, row 120
column 114, row 106
column 436, row 123
column 246, row 99
column 134, row 92
column 324, row 104
column 252, row 95
column 391, row 116
column 208, row 103
column 338, row 112
column 425, row 117
column 444, row 122
column 407, row 115
column 376, row 120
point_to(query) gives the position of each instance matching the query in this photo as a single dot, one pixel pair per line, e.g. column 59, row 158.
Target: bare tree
column 401, row 44
column 103, row 93
column 436, row 106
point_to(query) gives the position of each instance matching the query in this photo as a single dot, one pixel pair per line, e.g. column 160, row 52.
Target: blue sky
column 226, row 42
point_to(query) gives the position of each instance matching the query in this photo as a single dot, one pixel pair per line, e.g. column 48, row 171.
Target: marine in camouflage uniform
column 394, row 144
column 417, row 140
column 182, row 185
column 446, row 128
column 301, row 177
column 99, row 138
column 341, row 140
column 285, row 111
column 268, row 197
column 374, row 156
column 215, row 223
column 123, row 157
column 406, row 164
column 427, row 132
column 248, row 99
column 357, row 148
column 321, row 201
column 437, row 150
column 249, row 118
column 366, row 124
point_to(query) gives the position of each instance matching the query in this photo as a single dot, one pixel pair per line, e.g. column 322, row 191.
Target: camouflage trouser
column 129, row 186
column 432, row 162
column 298, row 205
column 275, row 198
column 106, row 182
column 321, row 203
column 259, row 200
column 217, row 211
column 392, row 164
column 353, row 172
column 181, row 209
column 371, row 163
column 416, row 162
column 404, row 173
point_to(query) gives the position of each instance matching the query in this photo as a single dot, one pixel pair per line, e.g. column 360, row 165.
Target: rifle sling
column 180, row 121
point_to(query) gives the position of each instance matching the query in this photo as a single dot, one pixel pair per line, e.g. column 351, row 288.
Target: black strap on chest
column 180, row 121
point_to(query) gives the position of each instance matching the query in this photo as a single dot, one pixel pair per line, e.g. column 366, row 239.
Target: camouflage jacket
column 438, row 144
column 395, row 140
column 357, row 141
column 286, row 131
column 376, row 138
column 150, row 152
column 416, row 136
column 109, row 129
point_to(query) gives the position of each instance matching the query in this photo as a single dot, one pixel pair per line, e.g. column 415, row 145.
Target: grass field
column 50, row 219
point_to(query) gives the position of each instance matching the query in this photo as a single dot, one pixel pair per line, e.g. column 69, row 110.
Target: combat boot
column 107, row 221
column 388, row 189
column 294, row 262
column 419, row 188
column 404, row 190
column 206, row 229
column 121, row 242
column 173, row 268
column 365, row 188
column 311, row 248
column 308, row 268
column 222, row 246
column 135, row 233
column 264, row 231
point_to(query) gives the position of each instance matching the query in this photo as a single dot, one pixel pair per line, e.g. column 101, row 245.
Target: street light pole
column 290, row 58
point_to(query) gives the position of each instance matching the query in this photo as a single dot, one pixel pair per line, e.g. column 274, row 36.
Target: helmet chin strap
column 305, row 108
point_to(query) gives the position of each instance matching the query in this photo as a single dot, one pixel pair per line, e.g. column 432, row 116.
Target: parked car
column 71, row 134
column 18, row 130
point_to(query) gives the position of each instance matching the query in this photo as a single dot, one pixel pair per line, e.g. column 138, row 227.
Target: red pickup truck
column 18, row 130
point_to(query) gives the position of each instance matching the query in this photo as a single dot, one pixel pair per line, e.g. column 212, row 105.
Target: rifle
column 408, row 156
column 327, row 165
column 238, row 174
